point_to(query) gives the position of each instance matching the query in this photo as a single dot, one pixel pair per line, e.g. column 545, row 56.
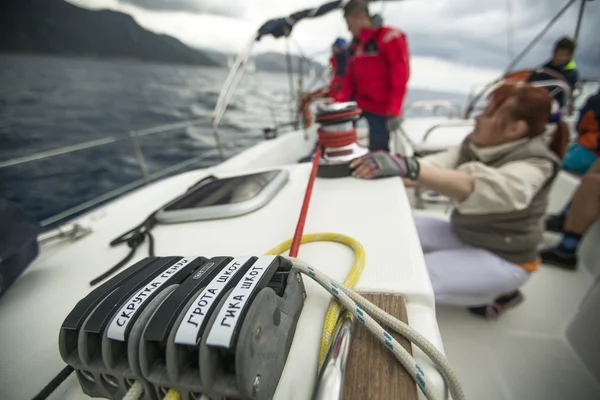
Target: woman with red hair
column 498, row 180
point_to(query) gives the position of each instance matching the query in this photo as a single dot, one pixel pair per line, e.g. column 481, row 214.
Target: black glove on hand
column 393, row 123
column 380, row 164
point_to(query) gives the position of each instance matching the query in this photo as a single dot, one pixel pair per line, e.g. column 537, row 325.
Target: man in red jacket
column 377, row 73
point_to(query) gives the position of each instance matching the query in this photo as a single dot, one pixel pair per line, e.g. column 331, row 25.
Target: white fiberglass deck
column 377, row 213
column 523, row 355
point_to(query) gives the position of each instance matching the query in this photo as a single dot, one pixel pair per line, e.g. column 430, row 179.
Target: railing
column 453, row 108
column 132, row 137
column 453, row 124
column 559, row 86
column 227, row 91
column 585, row 87
column 236, row 72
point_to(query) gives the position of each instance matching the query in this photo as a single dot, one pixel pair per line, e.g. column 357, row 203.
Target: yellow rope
column 335, row 308
column 172, row 395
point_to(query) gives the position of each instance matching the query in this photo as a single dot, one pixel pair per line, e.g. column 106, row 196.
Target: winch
column 338, row 139
column 220, row 327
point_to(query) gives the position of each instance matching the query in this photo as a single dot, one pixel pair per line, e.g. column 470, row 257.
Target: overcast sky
column 454, row 44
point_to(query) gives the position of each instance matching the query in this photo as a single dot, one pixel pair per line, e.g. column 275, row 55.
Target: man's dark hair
column 355, row 7
column 565, row 43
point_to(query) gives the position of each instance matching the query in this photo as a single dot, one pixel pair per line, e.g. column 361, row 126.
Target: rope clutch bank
column 221, row 327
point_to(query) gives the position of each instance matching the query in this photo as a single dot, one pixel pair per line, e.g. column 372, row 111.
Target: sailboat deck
column 523, row 355
column 376, row 213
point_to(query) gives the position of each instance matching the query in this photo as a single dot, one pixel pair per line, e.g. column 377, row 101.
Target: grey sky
column 473, row 32
column 226, row 8
column 454, row 44
column 462, row 34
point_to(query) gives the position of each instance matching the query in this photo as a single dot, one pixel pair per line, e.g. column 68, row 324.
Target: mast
column 579, row 19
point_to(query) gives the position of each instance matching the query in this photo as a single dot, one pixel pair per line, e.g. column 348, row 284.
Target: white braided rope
column 368, row 314
column 134, row 392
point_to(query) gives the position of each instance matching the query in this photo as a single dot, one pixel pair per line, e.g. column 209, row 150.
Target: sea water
column 50, row 102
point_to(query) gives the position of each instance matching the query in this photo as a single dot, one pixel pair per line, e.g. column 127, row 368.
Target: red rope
column 326, row 139
column 337, row 139
column 304, row 210
column 327, row 117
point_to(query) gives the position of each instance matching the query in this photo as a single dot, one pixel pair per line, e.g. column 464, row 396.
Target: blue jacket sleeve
column 572, row 76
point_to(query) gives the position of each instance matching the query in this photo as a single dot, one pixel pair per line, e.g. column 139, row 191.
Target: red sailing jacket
column 337, row 81
column 378, row 72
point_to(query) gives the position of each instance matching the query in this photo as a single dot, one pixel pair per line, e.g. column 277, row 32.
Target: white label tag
column 204, row 302
column 118, row 326
column 202, row 271
column 228, row 317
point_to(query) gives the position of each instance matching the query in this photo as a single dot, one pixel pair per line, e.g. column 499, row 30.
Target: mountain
column 270, row 62
column 61, row 28
column 218, row 57
column 277, row 62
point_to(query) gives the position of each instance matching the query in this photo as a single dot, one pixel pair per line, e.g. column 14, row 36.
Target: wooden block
column 373, row 372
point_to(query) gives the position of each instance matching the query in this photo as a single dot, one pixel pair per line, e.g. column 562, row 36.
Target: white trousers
column 460, row 274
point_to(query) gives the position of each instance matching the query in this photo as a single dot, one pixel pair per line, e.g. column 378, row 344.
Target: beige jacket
column 510, row 187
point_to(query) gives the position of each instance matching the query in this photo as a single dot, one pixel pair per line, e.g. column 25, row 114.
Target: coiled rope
column 337, row 139
column 334, row 138
column 335, row 308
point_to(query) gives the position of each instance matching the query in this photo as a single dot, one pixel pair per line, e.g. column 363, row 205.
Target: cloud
column 488, row 34
column 446, row 76
column 471, row 40
column 228, row 8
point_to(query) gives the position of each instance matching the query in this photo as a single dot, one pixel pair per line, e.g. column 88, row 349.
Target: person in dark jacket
column 377, row 73
column 338, row 62
column 586, row 151
column 562, row 62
